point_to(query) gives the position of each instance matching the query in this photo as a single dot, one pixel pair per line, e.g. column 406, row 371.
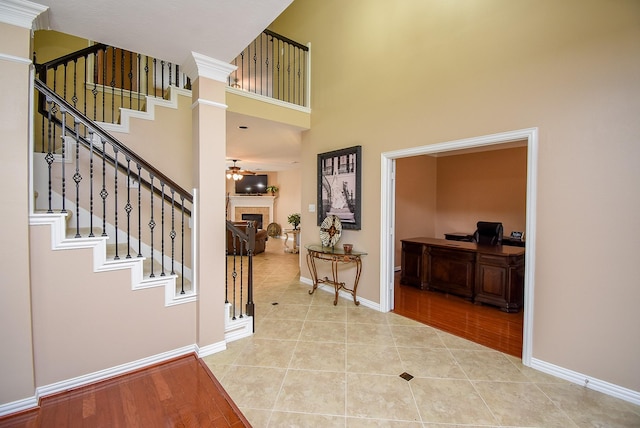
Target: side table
column 335, row 256
column 295, row 233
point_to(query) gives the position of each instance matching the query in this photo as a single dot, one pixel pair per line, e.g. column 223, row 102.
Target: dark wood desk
column 335, row 255
column 481, row 273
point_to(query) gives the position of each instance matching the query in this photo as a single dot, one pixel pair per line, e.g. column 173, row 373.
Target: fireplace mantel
column 249, row 202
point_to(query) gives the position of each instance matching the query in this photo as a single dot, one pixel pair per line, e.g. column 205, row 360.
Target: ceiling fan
column 236, row 173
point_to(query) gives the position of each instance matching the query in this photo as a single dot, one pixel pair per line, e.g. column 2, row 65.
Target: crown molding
column 24, row 14
column 198, row 65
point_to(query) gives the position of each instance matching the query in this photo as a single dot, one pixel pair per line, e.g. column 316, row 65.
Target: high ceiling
column 171, row 30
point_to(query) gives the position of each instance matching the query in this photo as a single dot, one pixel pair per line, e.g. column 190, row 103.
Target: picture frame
column 339, row 186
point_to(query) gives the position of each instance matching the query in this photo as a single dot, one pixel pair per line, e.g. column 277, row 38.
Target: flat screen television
column 251, row 185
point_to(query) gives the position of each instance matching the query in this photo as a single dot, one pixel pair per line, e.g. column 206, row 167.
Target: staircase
column 128, row 201
column 77, row 210
column 96, row 192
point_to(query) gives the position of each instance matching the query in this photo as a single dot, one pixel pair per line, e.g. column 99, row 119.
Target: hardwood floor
column 482, row 324
column 178, row 393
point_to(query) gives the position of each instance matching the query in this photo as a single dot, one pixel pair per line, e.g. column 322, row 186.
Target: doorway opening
column 387, row 233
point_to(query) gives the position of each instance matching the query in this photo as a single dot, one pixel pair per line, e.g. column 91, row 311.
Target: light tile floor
column 312, row 364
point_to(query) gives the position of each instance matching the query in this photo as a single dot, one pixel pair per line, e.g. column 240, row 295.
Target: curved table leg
column 355, row 282
column 336, row 284
column 311, row 264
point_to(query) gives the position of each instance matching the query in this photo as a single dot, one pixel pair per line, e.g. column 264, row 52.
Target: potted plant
column 272, row 189
column 294, row 219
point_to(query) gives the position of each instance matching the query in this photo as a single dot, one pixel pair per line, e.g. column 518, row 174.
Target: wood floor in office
column 482, row 324
column 179, row 393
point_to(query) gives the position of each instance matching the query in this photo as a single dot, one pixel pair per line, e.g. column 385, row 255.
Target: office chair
column 488, row 233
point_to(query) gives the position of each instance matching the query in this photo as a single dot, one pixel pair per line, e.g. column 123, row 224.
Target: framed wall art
column 339, row 186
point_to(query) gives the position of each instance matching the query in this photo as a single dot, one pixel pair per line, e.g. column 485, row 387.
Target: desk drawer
column 452, row 271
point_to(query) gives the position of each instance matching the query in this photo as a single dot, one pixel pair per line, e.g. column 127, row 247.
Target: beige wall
column 416, row 191
column 288, row 200
column 93, row 321
column 394, row 75
column 16, row 351
column 168, row 132
column 50, row 45
column 486, row 186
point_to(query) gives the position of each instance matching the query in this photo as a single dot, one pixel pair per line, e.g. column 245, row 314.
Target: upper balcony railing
column 273, row 66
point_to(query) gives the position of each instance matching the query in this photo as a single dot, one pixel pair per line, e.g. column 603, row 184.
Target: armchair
column 261, row 239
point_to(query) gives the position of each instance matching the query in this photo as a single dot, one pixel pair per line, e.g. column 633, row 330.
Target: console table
column 335, row 256
column 481, row 273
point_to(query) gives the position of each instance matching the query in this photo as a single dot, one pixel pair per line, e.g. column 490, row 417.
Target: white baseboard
column 100, row 375
column 18, row 406
column 587, row 381
column 343, row 294
column 214, row 348
column 77, row 382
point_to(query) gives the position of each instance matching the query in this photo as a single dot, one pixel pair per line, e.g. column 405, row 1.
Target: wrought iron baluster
column 241, row 288
column 262, row 85
column 127, row 207
column 146, row 75
column 113, row 85
column 91, row 183
column 122, row 54
column 74, row 98
column 84, row 85
column 226, row 269
column 55, row 109
column 130, row 75
column 269, row 71
column 139, row 81
column 234, row 275
column 288, row 97
column 103, row 192
column 255, row 66
column 42, row 134
column 249, row 308
column 77, row 177
column 152, row 225
column 63, row 132
column 161, row 79
column 115, row 199
column 173, row 232
column 49, row 156
column 155, row 70
column 64, row 82
column 162, row 230
column 293, row 98
column 251, row 229
column 182, row 242
column 104, row 80
column 279, row 85
column 139, row 211
column 94, row 90
column 240, row 70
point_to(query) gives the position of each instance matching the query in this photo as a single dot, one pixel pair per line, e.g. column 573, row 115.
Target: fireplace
column 253, row 217
column 240, row 205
